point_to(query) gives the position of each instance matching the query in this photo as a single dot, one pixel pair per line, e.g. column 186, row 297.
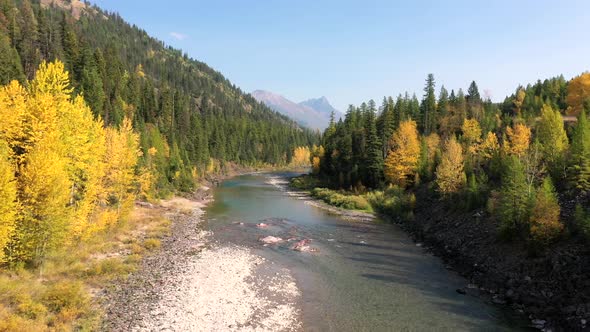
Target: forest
column 195, row 120
column 95, row 115
column 517, row 159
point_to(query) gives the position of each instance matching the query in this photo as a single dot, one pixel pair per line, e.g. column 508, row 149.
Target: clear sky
column 352, row 51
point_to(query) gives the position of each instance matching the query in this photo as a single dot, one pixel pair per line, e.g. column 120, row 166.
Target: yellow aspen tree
column 471, row 131
column 301, row 156
column 315, row 165
column 490, row 146
column 122, row 152
column 519, row 139
column 12, row 112
column 44, row 195
column 83, row 140
column 450, row 176
column 432, row 143
column 401, row 163
column 8, row 203
column 578, row 94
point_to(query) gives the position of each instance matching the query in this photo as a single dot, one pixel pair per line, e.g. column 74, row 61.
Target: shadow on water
column 365, row 277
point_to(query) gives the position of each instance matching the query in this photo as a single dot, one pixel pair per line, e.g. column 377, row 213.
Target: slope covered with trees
column 191, row 119
column 522, row 164
column 95, row 114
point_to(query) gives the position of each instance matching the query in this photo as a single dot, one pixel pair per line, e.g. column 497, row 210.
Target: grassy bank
column 61, row 295
column 392, row 201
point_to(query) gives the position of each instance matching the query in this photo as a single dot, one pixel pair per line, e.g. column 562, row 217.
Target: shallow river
column 363, row 276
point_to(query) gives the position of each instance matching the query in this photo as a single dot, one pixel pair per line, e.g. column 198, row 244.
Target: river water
column 363, row 276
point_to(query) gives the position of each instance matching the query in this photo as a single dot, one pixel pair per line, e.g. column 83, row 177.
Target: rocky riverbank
column 194, row 284
column 550, row 288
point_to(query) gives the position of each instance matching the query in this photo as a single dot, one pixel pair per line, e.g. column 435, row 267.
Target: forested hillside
column 500, row 189
column 191, row 117
column 516, row 155
column 95, row 114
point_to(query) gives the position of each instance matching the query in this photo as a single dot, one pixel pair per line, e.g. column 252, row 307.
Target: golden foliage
column 432, row 143
column 490, row 146
column 121, row 157
column 578, row 93
column 519, row 139
column 65, row 163
column 544, row 220
column 471, row 131
column 315, row 164
column 450, row 176
column 301, row 156
column 8, row 204
column 402, row 160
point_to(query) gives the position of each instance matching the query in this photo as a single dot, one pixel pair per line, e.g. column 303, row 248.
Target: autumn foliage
column 402, row 160
column 63, row 176
column 450, row 176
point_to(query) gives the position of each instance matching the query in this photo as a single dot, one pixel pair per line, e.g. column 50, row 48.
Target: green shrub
column 394, row 202
column 346, row 201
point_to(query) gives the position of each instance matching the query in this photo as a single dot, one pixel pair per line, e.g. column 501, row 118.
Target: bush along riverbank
column 547, row 285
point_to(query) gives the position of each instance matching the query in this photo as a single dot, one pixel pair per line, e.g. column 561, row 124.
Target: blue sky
column 352, row 51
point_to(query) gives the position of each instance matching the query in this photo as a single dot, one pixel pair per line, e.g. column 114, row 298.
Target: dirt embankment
column 194, row 284
column 552, row 287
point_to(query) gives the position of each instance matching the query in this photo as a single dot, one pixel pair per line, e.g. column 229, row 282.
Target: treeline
column 512, row 158
column 191, row 120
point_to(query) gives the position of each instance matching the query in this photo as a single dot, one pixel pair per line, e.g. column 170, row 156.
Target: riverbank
column 193, row 283
column 549, row 288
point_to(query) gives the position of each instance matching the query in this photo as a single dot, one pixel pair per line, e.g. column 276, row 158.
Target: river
column 363, row 276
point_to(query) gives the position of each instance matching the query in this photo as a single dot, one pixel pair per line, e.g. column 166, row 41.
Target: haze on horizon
column 353, row 51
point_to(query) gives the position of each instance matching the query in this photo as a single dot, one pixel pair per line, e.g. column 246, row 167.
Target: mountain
column 321, row 105
column 312, row 113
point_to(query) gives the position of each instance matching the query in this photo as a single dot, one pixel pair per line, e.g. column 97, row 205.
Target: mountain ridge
column 313, row 113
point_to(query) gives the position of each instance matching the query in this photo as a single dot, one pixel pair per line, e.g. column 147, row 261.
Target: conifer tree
column 514, row 197
column 374, row 161
column 428, row 107
column 580, row 154
column 553, row 139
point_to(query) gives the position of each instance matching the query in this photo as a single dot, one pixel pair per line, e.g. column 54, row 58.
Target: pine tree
column 553, row 139
column 514, row 197
column 10, row 63
column 374, row 161
column 580, row 154
column 428, row 107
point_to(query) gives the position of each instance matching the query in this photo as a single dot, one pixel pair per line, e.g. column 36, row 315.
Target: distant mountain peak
column 321, row 105
column 313, row 113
